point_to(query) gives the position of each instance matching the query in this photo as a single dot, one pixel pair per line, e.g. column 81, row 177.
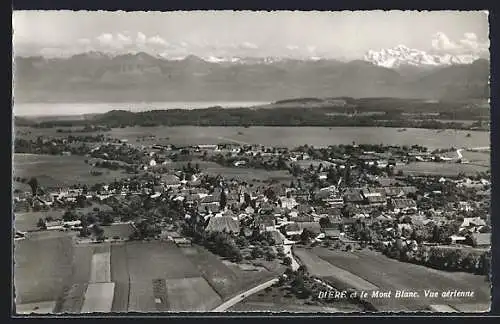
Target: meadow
column 56, row 170
column 441, row 169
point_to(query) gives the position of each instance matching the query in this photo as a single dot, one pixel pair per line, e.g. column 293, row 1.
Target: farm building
column 265, row 222
column 182, row 241
column 403, row 205
column 332, row 233
column 470, row 222
column 481, row 239
column 170, row 181
column 288, row 203
column 223, row 224
column 292, row 229
column 311, row 226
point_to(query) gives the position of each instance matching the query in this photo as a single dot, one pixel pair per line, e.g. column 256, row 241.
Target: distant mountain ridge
column 132, row 77
column 402, row 55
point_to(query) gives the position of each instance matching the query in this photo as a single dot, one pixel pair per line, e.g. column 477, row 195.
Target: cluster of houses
column 288, row 210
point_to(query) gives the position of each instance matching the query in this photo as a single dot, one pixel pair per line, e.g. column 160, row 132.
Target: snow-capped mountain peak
column 401, row 55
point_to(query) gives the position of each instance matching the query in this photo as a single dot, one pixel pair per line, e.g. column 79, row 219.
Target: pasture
column 26, row 221
column 441, row 169
column 248, row 174
column 57, row 170
column 389, row 274
column 240, row 173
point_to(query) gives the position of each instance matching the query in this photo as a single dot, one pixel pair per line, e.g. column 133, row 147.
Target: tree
column 270, row 256
column 306, row 235
column 98, row 232
column 223, row 199
column 33, row 183
column 324, row 222
column 69, row 216
column 41, row 224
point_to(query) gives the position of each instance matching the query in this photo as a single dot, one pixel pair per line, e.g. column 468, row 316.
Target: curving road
column 233, row 301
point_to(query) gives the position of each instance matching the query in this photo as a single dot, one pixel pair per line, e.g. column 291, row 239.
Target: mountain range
column 136, row 77
column 401, row 55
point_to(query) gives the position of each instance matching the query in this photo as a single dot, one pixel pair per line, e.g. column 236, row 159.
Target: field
column 98, row 297
column 191, row 294
column 36, row 308
column 241, row 173
column 391, row 275
column 120, row 276
column 227, row 280
column 26, row 221
column 164, row 262
column 42, row 268
column 480, row 158
column 57, row 170
column 443, row 169
column 341, row 278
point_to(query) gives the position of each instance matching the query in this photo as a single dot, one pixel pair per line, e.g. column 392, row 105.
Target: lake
column 66, row 109
column 295, row 136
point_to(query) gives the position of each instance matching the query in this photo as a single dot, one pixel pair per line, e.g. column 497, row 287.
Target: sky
column 344, row 35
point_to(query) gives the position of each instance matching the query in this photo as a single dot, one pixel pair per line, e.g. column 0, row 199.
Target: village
column 346, row 196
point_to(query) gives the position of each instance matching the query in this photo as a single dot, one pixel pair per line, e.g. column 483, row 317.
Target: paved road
column 288, row 251
column 233, row 301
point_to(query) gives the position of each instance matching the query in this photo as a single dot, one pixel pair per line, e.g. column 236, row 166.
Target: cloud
column 248, row 45
column 105, row 39
column 157, row 41
column 124, row 39
column 141, row 38
column 468, row 45
column 292, row 47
